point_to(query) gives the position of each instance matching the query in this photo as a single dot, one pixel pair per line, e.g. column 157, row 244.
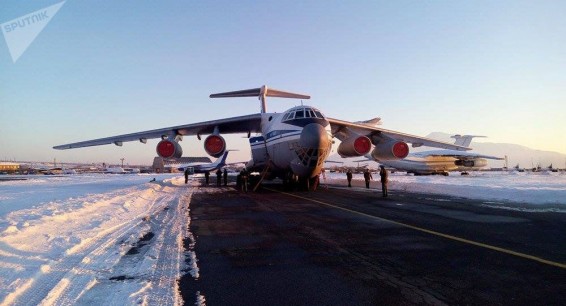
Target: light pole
column 122, row 159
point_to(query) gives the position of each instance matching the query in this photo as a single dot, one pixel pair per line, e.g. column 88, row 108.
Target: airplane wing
column 241, row 124
column 456, row 154
column 371, row 131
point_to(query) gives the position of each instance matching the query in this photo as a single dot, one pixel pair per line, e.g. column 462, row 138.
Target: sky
column 104, row 68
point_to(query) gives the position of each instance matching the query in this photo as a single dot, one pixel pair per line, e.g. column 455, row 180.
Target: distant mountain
column 516, row 154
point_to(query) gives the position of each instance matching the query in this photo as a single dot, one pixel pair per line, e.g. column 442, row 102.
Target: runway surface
column 349, row 246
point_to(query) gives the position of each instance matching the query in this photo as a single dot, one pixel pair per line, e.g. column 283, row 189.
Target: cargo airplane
column 441, row 161
column 199, row 167
column 292, row 145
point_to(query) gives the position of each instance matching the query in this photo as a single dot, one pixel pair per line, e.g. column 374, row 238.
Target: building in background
column 9, row 168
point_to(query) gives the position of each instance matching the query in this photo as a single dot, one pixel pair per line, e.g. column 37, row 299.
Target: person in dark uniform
column 225, row 175
column 349, row 177
column 186, row 175
column 206, row 176
column 367, row 177
column 244, row 178
column 384, row 179
column 218, row 177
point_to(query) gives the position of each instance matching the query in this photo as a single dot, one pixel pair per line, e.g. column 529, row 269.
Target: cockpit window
column 300, row 113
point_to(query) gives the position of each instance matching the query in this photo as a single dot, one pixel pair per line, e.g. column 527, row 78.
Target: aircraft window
column 300, row 114
column 318, row 114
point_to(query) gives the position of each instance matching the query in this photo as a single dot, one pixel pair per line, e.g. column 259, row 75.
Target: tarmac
column 350, row 246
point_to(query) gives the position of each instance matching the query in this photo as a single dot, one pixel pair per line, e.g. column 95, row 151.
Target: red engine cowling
column 169, row 149
column 214, row 145
column 390, row 150
column 354, row 146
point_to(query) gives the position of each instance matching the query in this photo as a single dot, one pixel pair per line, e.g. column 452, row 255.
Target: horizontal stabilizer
column 240, row 93
column 257, row 92
column 261, row 92
column 371, row 122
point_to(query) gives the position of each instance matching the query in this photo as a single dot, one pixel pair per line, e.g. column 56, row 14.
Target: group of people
column 367, row 177
column 242, row 180
column 219, row 175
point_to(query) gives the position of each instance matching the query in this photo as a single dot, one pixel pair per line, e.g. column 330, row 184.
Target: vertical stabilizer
column 220, row 162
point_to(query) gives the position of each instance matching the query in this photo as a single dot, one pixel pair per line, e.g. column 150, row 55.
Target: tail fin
column 221, row 161
column 262, row 93
column 463, row 140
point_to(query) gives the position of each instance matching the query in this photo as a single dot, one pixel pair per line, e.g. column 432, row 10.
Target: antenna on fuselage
column 261, row 93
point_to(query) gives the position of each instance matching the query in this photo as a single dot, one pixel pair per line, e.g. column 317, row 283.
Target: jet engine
column 354, row 146
column 169, row 149
column 214, row 145
column 390, row 150
column 471, row 163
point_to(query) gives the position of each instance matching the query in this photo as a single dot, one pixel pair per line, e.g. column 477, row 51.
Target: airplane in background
column 441, row 161
column 200, row 167
column 292, row 145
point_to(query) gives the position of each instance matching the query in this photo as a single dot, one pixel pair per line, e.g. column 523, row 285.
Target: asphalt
column 350, row 246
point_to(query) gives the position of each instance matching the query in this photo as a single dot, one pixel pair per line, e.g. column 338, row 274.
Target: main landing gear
column 293, row 183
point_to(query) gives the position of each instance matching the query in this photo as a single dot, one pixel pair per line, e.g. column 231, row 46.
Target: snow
column 118, row 239
column 104, row 240
column 535, row 191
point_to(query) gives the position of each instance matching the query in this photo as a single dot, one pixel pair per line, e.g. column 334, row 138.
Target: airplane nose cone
column 313, row 148
column 314, row 136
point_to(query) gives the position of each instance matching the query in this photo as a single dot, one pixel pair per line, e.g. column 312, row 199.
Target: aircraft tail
column 220, row 162
column 463, row 140
column 261, row 93
column 371, row 122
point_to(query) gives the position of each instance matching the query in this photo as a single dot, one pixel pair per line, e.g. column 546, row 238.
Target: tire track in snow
column 63, row 280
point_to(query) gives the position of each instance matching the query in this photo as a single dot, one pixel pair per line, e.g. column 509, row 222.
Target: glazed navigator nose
column 312, row 150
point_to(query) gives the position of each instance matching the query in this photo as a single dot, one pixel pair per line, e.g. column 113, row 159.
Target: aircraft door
column 259, row 151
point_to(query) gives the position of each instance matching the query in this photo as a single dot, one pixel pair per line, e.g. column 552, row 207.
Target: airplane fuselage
column 434, row 164
column 296, row 142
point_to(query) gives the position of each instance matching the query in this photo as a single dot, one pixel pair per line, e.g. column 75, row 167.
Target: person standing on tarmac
column 367, row 177
column 186, row 175
column 244, row 178
column 225, row 175
column 206, row 177
column 218, row 177
column 349, row 177
column 384, row 180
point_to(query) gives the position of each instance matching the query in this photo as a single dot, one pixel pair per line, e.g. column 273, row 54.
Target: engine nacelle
column 169, row 149
column 471, row 163
column 354, row 146
column 214, row 145
column 391, row 150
